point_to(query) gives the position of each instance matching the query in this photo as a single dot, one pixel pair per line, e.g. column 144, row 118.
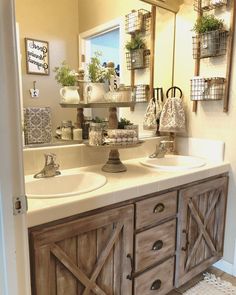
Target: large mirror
column 77, row 27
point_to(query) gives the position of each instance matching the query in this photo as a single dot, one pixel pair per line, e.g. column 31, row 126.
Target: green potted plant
column 123, row 122
column 209, row 29
column 99, row 77
column 68, row 79
column 135, row 55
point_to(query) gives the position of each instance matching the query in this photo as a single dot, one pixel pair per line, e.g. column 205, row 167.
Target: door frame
column 14, row 267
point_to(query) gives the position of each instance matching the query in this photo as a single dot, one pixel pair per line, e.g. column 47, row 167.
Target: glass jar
column 96, row 134
column 66, row 130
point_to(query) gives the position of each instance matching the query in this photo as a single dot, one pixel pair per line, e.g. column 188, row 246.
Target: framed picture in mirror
column 37, row 56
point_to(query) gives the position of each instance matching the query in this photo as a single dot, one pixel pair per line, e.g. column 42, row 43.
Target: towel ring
column 174, row 92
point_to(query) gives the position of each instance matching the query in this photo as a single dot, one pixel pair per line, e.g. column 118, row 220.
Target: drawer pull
column 157, row 245
column 130, row 276
column 185, row 247
column 159, row 208
column 156, row 285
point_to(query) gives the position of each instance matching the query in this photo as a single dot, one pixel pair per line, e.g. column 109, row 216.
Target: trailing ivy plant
column 137, row 42
column 64, row 75
column 208, row 23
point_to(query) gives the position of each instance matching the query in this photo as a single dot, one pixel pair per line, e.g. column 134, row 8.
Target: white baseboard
column 226, row 267
column 234, row 266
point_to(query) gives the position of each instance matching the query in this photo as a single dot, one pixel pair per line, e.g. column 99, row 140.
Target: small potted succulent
column 68, row 79
column 99, row 77
column 123, row 122
column 209, row 30
column 135, row 55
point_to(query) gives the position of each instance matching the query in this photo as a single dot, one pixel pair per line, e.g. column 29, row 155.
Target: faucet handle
column 167, row 145
column 50, row 158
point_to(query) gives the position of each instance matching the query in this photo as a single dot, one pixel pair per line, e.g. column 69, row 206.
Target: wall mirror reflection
column 75, row 30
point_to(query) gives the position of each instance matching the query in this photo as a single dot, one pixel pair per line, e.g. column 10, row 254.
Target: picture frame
column 37, row 57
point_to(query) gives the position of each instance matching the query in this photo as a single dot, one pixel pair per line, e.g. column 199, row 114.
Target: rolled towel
column 172, row 118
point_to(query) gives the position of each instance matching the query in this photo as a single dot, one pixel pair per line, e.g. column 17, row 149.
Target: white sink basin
column 174, row 162
column 64, row 185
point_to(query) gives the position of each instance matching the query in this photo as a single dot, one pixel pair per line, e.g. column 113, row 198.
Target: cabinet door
column 84, row 257
column 201, row 222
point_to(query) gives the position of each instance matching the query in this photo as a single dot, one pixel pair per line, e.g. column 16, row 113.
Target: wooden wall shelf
column 99, row 105
column 230, row 44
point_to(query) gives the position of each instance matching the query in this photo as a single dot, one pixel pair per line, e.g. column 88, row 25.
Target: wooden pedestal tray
column 114, row 164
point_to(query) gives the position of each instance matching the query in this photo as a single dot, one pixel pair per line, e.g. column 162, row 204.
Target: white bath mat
column 211, row 285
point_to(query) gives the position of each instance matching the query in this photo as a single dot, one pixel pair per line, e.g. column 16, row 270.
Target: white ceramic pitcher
column 95, row 92
column 70, row 94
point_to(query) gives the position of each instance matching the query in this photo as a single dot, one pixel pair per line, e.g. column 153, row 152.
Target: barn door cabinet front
column 94, row 254
column 86, row 256
column 201, row 223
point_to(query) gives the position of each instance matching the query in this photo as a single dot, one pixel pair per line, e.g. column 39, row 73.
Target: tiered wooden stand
column 114, row 164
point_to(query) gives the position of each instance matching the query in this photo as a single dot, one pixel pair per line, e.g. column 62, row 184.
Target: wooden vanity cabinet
column 201, row 222
column 142, row 247
column 155, row 244
column 86, row 256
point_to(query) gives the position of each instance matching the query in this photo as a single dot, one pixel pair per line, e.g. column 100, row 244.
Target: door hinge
column 20, row 205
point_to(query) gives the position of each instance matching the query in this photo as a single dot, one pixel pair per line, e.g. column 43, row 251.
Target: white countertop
column 137, row 181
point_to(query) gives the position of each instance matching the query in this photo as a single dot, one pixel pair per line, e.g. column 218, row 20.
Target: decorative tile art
column 38, row 125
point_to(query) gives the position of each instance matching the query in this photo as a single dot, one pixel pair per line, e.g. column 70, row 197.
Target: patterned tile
column 38, row 125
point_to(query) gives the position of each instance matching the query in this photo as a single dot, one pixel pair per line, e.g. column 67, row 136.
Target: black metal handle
column 174, row 88
column 157, row 245
column 130, row 276
column 156, row 285
column 185, row 248
column 159, row 208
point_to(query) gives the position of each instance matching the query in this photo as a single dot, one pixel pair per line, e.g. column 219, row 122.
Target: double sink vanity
column 145, row 231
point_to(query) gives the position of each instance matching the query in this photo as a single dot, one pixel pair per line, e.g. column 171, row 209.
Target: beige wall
column 56, row 22
column 102, row 11
column 209, row 121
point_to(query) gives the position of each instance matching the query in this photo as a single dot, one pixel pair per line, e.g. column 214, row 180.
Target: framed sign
column 37, row 57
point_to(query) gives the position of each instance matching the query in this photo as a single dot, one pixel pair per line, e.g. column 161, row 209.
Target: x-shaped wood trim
column 202, row 227
column 89, row 284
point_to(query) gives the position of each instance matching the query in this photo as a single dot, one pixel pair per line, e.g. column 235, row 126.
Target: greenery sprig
column 64, row 75
column 208, row 23
column 97, row 73
column 122, row 122
column 137, row 42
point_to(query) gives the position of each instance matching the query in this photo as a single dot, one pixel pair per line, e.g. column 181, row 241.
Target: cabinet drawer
column 158, row 280
column 155, row 244
column 155, row 209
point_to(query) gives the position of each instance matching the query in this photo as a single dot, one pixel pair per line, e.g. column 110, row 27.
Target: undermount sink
column 174, row 162
column 64, row 185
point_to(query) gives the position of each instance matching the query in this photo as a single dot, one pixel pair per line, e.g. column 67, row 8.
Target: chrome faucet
column 50, row 168
column 165, row 146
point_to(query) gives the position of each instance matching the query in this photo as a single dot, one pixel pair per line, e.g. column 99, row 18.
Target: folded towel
column 173, row 116
column 38, row 125
column 152, row 114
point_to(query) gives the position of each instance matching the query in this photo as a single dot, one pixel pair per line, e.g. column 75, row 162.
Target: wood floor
column 216, row 271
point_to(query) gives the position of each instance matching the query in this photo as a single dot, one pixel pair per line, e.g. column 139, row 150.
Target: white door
column 14, row 266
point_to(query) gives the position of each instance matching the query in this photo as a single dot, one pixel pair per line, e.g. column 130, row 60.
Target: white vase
column 95, row 92
column 70, row 94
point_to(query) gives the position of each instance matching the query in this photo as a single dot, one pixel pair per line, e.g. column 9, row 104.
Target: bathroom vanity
column 137, row 243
